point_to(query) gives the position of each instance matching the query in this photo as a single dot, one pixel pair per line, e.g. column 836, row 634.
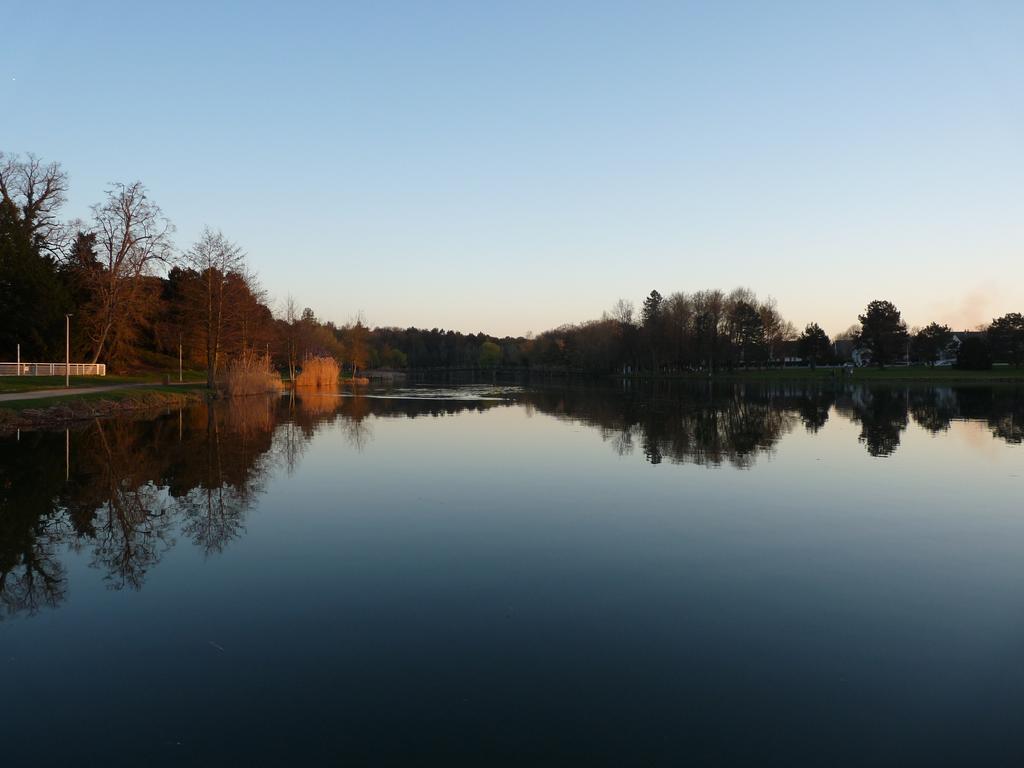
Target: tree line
column 712, row 330
column 137, row 300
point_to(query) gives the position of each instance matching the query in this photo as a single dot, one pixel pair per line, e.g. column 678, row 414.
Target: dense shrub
column 319, row 372
column 251, row 375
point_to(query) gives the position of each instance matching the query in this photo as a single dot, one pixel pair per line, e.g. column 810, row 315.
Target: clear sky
column 511, row 166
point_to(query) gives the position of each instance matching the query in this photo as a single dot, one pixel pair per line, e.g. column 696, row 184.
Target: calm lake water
column 750, row 575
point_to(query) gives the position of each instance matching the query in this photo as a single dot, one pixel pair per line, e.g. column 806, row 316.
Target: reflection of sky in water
column 466, row 393
column 494, row 580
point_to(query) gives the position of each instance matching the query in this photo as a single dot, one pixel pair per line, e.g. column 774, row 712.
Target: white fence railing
column 52, row 369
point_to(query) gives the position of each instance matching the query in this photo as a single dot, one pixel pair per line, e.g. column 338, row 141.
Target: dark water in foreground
column 749, row 576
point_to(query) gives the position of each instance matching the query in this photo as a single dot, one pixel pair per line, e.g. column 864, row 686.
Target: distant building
column 949, row 354
column 848, row 351
column 789, row 353
column 859, row 355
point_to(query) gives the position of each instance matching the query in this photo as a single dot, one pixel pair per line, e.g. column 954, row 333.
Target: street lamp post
column 67, row 351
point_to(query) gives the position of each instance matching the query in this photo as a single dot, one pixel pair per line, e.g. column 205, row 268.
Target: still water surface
column 746, row 575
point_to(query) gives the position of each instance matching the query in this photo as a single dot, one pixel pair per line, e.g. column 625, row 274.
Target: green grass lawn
column 920, row 373
column 927, row 373
column 29, row 383
column 155, row 393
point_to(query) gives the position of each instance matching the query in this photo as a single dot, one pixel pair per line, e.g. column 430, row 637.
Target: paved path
column 39, row 394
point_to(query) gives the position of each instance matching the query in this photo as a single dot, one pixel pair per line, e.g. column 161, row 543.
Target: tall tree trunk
column 211, row 354
column 102, row 340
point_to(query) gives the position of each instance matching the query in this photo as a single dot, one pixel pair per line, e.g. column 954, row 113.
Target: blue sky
column 510, row 167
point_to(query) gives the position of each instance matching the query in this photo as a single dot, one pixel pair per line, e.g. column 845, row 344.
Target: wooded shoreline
column 67, row 407
column 117, row 289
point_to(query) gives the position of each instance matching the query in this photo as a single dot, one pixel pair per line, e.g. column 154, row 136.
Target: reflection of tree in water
column 1003, row 409
column 710, row 424
column 37, row 578
column 622, row 440
column 291, row 437
column 814, row 405
column 31, row 529
column 289, row 445
column 734, row 427
column 354, row 424
column 135, row 486
column 354, row 414
column 308, row 409
column 933, row 408
column 213, row 516
column 233, row 467
column 130, row 488
column 1009, row 425
column 304, row 411
column 130, row 531
column 697, row 423
column 882, row 414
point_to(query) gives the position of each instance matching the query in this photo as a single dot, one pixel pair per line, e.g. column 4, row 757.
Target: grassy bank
column 922, row 374
column 66, row 408
column 12, row 384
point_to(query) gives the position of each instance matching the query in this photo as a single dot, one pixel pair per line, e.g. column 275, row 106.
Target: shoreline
column 919, row 375
column 65, row 410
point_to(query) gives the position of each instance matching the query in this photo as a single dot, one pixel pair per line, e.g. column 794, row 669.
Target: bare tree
column 357, row 344
column 679, row 313
column 215, row 259
column 777, row 330
column 38, row 190
column 623, row 311
column 849, row 334
column 710, row 312
column 291, row 321
column 133, row 238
